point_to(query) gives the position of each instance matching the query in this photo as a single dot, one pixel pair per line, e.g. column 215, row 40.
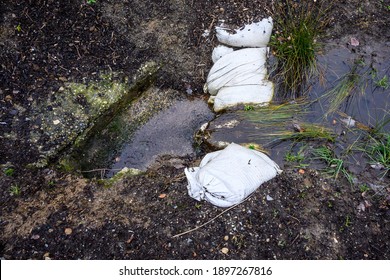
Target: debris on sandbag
column 225, row 178
column 253, row 35
column 240, row 76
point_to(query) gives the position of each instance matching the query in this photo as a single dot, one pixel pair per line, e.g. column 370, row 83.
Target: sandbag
column 225, row 178
column 220, row 51
column 260, row 94
column 236, row 68
column 256, row 34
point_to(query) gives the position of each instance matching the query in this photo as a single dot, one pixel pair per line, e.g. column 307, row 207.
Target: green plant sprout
column 248, row 107
column 363, row 188
column 378, row 150
column 335, row 165
column 9, row 172
column 383, row 83
column 15, row 190
column 90, row 2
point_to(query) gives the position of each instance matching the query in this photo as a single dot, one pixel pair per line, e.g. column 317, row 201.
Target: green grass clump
column 335, row 165
column 378, row 150
column 294, row 43
column 9, row 171
column 383, row 83
column 15, row 190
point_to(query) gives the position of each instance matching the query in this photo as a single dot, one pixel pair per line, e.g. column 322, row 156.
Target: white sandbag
column 256, row 34
column 220, row 51
column 235, row 67
column 260, row 93
column 227, row 177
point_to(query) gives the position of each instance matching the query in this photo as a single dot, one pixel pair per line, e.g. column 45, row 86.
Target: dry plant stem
column 206, row 223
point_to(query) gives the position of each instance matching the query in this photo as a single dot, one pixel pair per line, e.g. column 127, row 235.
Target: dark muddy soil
column 298, row 215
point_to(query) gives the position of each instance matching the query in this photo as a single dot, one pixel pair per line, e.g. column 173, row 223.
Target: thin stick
column 206, row 223
column 101, row 169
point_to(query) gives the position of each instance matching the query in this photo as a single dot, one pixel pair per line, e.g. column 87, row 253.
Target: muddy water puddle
column 170, row 132
column 368, row 98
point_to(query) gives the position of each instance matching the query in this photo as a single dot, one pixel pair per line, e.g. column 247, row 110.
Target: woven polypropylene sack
column 227, row 177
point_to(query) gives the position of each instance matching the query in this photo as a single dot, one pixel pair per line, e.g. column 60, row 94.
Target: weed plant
column 294, row 43
column 15, row 190
column 383, row 83
column 378, row 150
column 335, row 165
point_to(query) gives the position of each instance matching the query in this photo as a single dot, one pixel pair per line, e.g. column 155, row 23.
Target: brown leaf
column 163, row 195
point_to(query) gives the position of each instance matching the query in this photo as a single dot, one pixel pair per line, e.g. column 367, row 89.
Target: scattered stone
column 226, row 238
column 35, row 237
column 269, row 198
column 55, row 122
column 225, row 250
column 354, row 42
column 68, row 231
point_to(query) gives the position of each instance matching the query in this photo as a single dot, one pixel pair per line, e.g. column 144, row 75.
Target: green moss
column 67, row 164
column 79, row 110
column 124, row 173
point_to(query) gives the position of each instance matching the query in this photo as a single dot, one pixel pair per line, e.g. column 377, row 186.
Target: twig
column 101, row 169
column 206, row 223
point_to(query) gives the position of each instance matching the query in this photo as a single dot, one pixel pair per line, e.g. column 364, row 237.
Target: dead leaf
column 163, row 195
column 298, row 128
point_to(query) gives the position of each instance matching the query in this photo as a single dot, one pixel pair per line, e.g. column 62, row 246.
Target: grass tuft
column 297, row 25
column 378, row 150
column 335, row 164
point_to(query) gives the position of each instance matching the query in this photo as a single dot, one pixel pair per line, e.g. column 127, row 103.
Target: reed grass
column 294, row 43
column 282, row 122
